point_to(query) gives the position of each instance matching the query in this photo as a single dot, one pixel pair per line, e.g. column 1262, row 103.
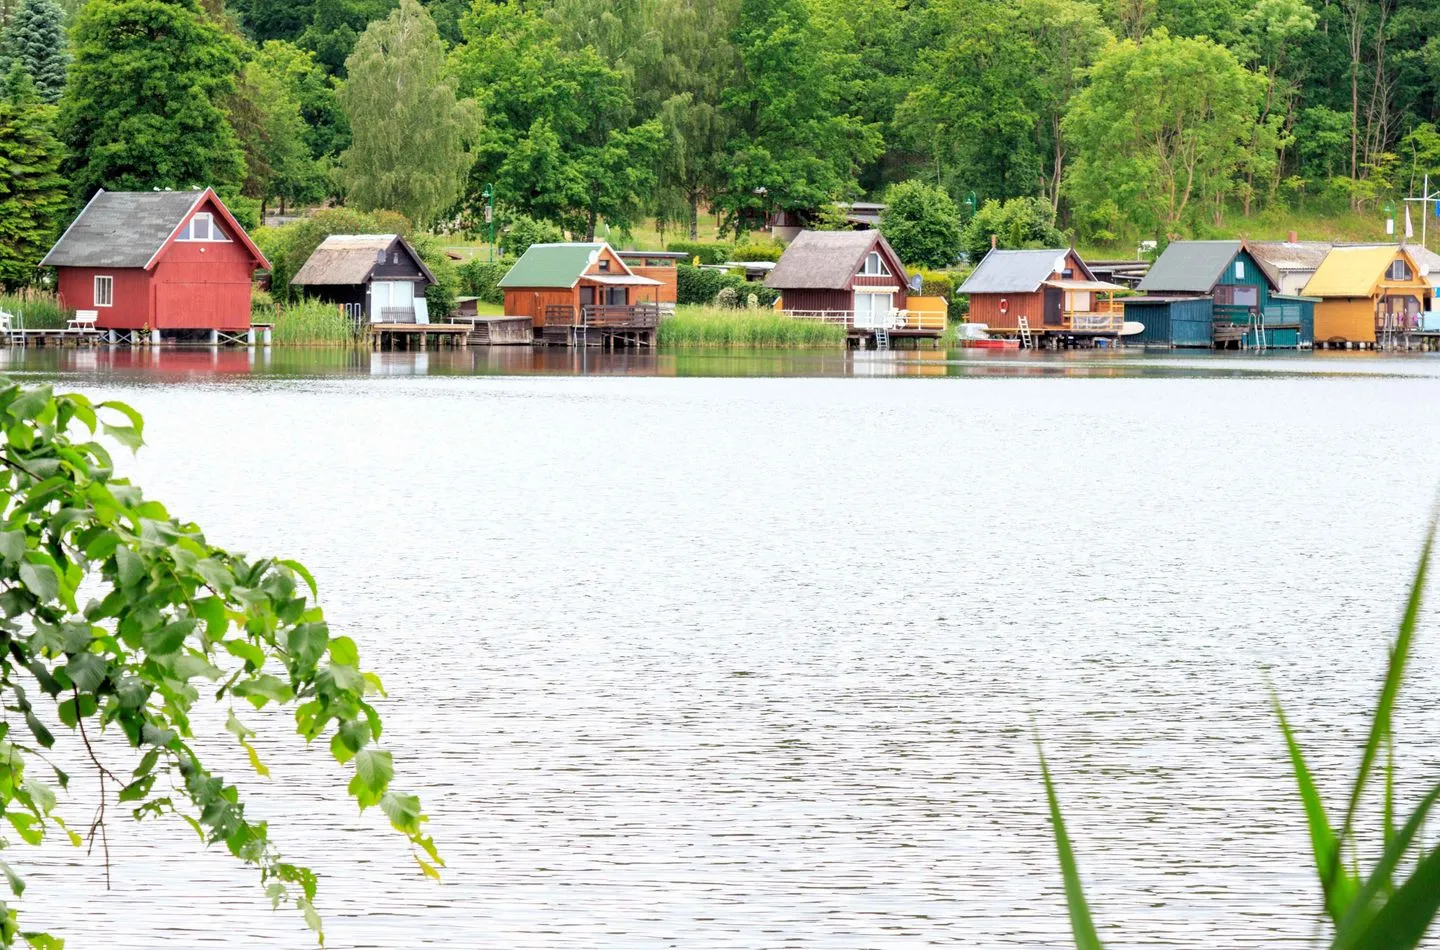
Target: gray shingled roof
column 1013, row 272
column 1189, row 267
column 1285, row 257
column 121, row 229
column 345, row 259
column 823, row 260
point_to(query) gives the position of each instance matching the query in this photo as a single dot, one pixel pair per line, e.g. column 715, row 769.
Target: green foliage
column 307, row 323
column 1015, row 224
column 523, row 231
column 440, row 295
column 289, row 247
column 118, row 618
column 1367, row 910
column 266, row 118
column 1159, row 133
column 702, row 285
column 141, row 108
column 922, row 224
column 410, row 134
column 762, row 249
column 36, row 309
column 560, row 141
column 33, row 195
column 481, row 278
column 935, row 283
column 708, row 253
column 746, row 328
column 35, row 42
column 325, row 128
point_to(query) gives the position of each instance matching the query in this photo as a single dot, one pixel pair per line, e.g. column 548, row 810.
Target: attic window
column 1067, row 273
column 202, row 227
column 874, row 266
column 1399, row 270
column 1239, row 270
column 604, row 266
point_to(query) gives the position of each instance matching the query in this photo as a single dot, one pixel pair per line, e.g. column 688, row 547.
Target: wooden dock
column 64, row 337
column 417, row 336
column 498, row 331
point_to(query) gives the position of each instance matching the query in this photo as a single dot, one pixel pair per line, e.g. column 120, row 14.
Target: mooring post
column 250, row 336
column 155, row 337
column 214, row 337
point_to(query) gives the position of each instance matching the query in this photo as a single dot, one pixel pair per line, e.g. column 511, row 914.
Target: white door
column 872, row 310
column 392, row 295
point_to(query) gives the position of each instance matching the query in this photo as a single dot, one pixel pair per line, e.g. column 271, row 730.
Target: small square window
column 104, row 291
column 604, row 266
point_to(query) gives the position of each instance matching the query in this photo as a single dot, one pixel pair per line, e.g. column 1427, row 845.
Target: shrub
column 921, row 223
column 936, row 283
column 524, row 231
column 700, row 285
column 440, row 295
column 761, row 250
column 1016, row 224
column 728, row 298
column 482, row 279
column 708, row 253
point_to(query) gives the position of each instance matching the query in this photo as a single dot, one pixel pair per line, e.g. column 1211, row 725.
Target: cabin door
column 392, row 301
column 872, row 311
column 1054, row 317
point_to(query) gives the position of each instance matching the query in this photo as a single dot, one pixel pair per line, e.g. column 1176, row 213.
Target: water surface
column 740, row 651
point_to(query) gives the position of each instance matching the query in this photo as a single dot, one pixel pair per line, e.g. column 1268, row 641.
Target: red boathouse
column 162, row 260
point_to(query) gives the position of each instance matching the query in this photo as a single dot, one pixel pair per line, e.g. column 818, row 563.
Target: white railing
column 1096, row 322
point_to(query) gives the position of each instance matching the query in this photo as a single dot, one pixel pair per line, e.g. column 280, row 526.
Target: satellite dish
column 916, row 282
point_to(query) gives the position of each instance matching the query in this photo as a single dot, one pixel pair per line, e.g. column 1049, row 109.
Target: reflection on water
column 726, row 664
column 170, row 364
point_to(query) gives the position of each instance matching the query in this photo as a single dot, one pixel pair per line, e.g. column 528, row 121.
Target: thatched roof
column 128, row 228
column 826, row 260
column 347, row 259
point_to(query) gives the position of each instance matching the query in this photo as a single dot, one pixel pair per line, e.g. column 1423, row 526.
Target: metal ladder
column 1257, row 331
column 882, row 338
column 1027, row 339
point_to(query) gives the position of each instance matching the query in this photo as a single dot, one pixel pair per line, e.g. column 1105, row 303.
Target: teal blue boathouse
column 1216, row 294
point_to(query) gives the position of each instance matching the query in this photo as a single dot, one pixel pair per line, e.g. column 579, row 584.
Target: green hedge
column 765, row 249
column 700, row 286
column 482, row 278
column 708, row 253
column 937, row 283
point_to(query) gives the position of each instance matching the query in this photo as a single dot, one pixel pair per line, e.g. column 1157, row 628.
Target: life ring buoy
column 1004, row 305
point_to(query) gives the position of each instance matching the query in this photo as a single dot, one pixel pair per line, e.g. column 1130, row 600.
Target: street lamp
column 489, row 196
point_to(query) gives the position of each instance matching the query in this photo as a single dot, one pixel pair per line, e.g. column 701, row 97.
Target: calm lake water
column 745, row 651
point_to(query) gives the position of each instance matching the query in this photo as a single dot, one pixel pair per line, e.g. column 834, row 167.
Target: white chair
column 7, row 322
column 83, row 320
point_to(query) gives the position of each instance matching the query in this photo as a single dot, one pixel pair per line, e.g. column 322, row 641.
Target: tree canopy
column 35, row 42
column 922, row 224
column 33, row 195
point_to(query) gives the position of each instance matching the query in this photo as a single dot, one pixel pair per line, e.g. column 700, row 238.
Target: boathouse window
column 104, row 291
column 202, row 227
column 874, row 266
column 1398, row 270
column 604, row 266
column 1239, row 270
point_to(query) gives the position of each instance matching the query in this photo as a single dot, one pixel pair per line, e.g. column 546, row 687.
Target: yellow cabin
column 1361, row 290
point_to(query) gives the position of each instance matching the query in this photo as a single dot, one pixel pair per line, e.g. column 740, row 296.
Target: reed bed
column 713, row 326
column 36, row 309
column 308, row 323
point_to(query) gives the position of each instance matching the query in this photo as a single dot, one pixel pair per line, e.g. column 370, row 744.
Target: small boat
column 977, row 336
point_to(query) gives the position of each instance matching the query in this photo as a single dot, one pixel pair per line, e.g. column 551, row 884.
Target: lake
column 721, row 650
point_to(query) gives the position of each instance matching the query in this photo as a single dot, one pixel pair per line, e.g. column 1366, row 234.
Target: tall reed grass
column 308, row 323
column 36, row 309
column 1388, row 906
column 714, row 326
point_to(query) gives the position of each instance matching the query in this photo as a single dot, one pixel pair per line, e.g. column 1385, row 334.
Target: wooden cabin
column 659, row 266
column 1044, row 291
column 376, row 278
column 562, row 287
column 1247, row 309
column 1365, row 289
column 850, row 276
column 163, row 261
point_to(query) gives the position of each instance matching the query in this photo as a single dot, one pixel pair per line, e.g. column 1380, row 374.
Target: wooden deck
column 612, row 327
column 416, row 336
column 66, row 337
column 498, row 331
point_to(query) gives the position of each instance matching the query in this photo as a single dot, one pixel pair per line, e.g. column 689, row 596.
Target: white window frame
column 880, row 269
column 216, row 235
column 1399, row 270
column 1239, row 269
column 108, row 282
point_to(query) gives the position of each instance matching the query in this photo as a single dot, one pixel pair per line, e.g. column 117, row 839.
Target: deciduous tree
column 922, row 224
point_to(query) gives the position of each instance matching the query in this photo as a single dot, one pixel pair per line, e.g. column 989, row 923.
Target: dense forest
column 1110, row 119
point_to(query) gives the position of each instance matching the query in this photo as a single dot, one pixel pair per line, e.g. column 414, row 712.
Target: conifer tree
column 35, row 41
column 32, row 192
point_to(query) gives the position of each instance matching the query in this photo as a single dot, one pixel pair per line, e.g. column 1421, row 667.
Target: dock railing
column 1095, row 322
column 902, row 320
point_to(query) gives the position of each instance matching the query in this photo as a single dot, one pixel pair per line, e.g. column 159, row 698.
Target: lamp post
column 489, row 196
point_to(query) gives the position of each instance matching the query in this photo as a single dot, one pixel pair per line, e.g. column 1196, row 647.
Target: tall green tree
column 561, row 141
column 33, row 195
column 1160, row 131
column 35, row 41
column 794, row 145
column 1016, row 224
column 142, row 108
column 922, row 224
column 266, row 118
column 326, row 130
column 410, row 134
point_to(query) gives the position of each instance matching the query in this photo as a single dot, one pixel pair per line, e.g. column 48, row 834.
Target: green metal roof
column 551, row 265
column 1189, row 267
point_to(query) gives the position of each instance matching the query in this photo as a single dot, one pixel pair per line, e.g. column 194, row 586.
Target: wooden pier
column 498, row 331
column 609, row 326
column 64, row 337
column 417, row 336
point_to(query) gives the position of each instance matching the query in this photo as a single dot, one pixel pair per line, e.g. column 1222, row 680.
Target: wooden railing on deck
column 630, row 316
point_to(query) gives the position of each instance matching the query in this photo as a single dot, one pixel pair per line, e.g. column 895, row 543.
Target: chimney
column 992, row 242
column 1293, row 238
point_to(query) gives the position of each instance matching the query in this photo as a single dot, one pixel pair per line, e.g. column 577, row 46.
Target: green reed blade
column 1401, row 923
column 1353, row 929
column 1080, row 921
column 1394, row 674
column 1334, row 884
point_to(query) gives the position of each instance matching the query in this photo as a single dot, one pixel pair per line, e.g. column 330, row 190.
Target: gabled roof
column 1353, row 271
column 1193, row 267
column 555, row 265
column 1427, row 260
column 827, row 260
column 1289, row 256
column 130, row 228
column 1017, row 272
column 348, row 259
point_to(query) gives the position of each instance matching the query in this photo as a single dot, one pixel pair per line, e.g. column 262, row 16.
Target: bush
column 524, row 231
column 937, row 283
column 440, row 295
column 701, row 285
column 728, row 298
column 762, row 250
column 708, row 253
column 1016, row 224
column 482, row 279
column 921, row 223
